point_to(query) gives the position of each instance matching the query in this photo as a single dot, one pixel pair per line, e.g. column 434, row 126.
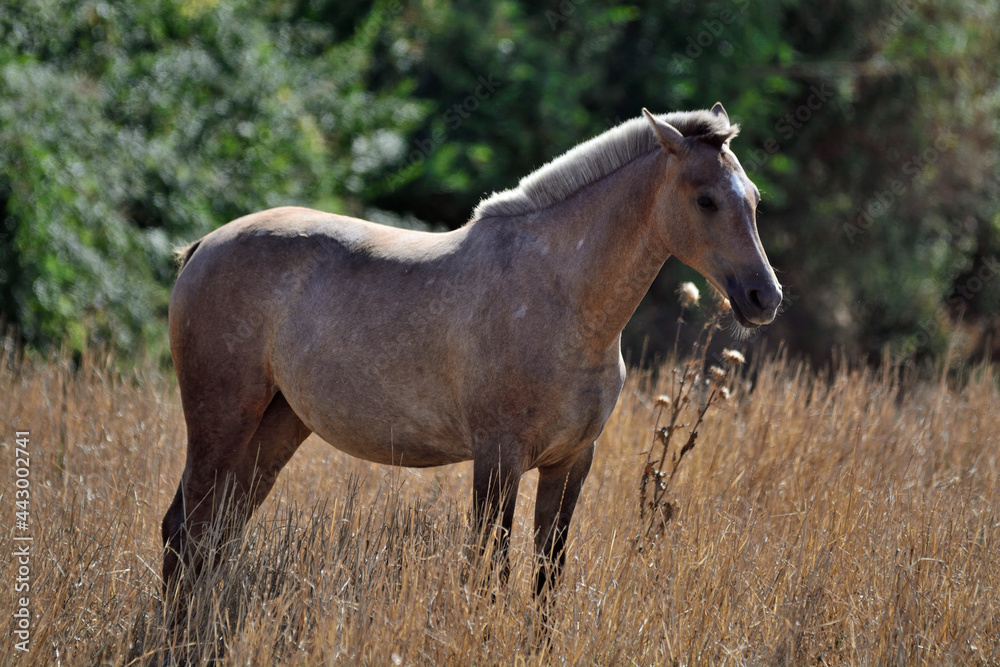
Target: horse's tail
column 183, row 254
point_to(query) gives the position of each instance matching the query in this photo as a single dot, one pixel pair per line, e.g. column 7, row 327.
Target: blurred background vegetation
column 870, row 127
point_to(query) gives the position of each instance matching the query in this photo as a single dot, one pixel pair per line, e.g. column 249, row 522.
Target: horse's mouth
column 740, row 317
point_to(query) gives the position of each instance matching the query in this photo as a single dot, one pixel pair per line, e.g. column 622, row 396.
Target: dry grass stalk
column 843, row 517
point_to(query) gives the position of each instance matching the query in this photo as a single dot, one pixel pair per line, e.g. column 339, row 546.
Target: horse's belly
column 383, row 432
column 412, row 451
column 388, row 402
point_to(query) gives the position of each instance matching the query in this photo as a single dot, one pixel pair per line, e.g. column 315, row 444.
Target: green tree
column 841, row 105
column 127, row 128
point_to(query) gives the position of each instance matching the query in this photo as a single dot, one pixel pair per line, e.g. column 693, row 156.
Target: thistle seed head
column 688, row 294
column 733, row 358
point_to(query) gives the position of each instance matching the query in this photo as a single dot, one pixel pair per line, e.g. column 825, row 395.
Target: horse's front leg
column 558, row 490
column 495, row 479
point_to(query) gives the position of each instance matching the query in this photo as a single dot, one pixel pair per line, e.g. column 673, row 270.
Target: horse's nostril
column 753, row 296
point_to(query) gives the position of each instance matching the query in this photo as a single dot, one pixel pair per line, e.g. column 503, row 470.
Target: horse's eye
column 706, row 203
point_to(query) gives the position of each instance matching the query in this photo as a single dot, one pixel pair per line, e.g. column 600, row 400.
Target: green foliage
column 127, row 128
column 841, row 106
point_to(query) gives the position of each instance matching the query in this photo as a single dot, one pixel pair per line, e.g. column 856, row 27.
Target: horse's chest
column 554, row 418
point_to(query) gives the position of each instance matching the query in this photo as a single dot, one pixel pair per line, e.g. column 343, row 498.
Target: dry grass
column 822, row 518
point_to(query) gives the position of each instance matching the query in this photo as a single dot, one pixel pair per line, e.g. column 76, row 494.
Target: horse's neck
column 603, row 246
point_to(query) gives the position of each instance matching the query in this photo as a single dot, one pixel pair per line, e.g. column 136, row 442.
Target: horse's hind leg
column 219, row 427
column 234, row 457
column 274, row 442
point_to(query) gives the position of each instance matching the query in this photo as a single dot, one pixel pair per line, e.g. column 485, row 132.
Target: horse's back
column 298, row 228
column 270, row 254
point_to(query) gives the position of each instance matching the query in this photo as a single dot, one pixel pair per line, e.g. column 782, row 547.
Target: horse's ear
column 718, row 110
column 668, row 135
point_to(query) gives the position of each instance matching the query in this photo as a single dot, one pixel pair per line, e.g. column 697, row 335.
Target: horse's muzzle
column 754, row 302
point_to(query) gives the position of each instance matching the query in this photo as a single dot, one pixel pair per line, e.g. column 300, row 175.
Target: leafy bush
column 127, row 128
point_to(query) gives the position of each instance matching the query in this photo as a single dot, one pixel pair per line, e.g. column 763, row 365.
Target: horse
column 498, row 342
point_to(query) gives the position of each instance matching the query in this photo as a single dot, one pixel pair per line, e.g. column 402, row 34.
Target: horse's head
column 707, row 215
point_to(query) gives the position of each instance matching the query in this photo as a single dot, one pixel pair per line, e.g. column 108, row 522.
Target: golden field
column 846, row 516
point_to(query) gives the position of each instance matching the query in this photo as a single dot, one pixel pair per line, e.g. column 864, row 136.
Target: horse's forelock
column 704, row 126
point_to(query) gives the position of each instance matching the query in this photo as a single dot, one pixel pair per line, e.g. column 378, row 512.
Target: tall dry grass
column 823, row 518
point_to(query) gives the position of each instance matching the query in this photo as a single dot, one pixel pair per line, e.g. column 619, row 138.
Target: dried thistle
column 688, row 294
column 733, row 358
column 663, row 461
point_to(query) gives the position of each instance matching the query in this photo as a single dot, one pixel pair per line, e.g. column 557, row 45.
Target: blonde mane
column 594, row 159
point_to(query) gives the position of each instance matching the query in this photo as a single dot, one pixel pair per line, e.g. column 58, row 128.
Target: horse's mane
column 594, row 159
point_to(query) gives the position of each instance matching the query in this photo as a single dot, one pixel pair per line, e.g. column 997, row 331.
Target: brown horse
column 497, row 342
